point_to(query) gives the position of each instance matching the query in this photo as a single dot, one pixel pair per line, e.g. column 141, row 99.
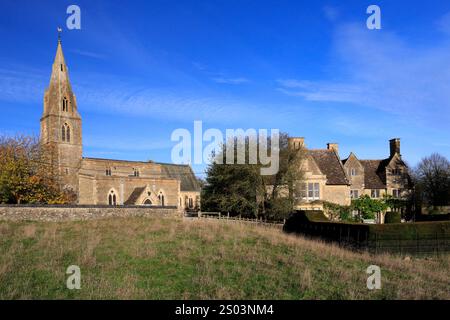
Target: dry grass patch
column 154, row 258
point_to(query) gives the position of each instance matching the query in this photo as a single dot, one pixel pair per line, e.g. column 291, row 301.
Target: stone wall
column 71, row 213
column 339, row 194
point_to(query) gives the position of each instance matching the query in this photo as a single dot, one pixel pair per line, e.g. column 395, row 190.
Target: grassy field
column 150, row 258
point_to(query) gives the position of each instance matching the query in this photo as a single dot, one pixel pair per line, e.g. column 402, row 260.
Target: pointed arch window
column 68, row 134
column 112, row 198
column 65, row 104
column 65, row 133
column 161, row 198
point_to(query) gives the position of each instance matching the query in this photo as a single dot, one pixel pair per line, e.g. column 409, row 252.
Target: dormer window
column 62, row 68
column 353, row 172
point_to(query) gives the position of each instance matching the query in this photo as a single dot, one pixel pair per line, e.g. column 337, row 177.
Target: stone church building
column 104, row 181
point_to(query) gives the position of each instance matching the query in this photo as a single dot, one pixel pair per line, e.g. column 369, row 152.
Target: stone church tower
column 61, row 124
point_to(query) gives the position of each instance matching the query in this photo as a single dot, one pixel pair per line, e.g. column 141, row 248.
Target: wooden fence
column 219, row 216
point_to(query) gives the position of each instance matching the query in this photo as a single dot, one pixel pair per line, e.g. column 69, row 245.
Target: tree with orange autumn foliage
column 27, row 173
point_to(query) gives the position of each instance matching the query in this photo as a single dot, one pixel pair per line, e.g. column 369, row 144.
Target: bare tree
column 432, row 177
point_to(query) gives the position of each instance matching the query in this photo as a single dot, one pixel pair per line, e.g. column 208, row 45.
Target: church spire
column 59, row 92
column 61, row 122
column 59, row 34
column 60, row 73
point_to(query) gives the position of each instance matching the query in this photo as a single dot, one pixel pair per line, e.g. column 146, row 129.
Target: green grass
column 154, row 258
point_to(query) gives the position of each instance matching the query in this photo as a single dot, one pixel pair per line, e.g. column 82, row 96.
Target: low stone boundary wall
column 72, row 213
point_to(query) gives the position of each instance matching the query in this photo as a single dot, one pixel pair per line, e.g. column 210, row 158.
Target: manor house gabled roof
column 330, row 165
column 375, row 173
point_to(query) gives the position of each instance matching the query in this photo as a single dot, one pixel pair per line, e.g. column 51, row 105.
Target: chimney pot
column 394, row 146
column 333, row 146
column 296, row 143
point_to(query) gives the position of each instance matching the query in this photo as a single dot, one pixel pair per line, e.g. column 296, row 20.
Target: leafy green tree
column 232, row 188
column 337, row 212
column 395, row 204
column 368, row 207
column 240, row 189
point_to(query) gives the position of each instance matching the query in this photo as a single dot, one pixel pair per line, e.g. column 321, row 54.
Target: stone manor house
column 104, row 181
column 329, row 178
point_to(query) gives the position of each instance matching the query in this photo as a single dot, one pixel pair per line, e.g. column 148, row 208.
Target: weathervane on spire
column 59, row 34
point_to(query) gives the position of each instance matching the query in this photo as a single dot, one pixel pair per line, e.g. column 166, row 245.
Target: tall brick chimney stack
column 333, row 146
column 296, row 143
column 394, row 146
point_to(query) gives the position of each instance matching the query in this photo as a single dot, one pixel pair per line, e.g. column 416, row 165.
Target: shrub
column 410, row 231
column 337, row 211
column 368, row 207
column 433, row 217
column 393, row 217
column 316, row 215
column 419, row 237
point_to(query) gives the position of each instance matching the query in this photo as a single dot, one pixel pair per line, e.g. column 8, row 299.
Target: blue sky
column 141, row 69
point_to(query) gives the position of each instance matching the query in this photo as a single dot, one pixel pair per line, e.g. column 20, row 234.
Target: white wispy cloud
column 19, row 85
column 443, row 24
column 321, row 91
column 109, row 94
column 123, row 143
column 174, row 104
column 231, row 80
column 331, row 13
column 89, row 54
column 378, row 69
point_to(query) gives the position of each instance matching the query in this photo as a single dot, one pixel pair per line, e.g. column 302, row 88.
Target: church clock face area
column 228, row 157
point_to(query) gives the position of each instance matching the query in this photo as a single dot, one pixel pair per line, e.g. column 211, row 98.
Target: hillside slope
column 190, row 259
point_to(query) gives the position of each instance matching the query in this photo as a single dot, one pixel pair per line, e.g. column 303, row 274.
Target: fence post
column 437, row 243
column 376, row 243
column 348, row 235
column 357, row 239
column 417, row 242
